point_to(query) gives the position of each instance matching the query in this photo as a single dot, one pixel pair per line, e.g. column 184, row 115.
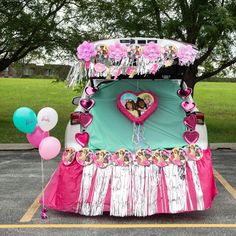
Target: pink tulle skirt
column 134, row 190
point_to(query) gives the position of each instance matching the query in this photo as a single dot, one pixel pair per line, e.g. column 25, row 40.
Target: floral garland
column 116, row 59
column 123, row 157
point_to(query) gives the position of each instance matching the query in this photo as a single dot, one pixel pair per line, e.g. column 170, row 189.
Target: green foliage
column 209, row 24
column 39, row 27
column 32, row 27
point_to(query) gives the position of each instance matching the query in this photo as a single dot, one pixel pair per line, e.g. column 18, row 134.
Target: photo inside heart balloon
column 137, row 107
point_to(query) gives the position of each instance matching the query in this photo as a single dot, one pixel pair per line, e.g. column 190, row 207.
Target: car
column 136, row 143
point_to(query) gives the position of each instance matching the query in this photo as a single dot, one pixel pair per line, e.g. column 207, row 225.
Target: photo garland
column 125, row 158
column 112, row 60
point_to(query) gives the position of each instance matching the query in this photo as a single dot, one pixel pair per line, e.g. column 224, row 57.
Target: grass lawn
column 36, row 94
column 216, row 100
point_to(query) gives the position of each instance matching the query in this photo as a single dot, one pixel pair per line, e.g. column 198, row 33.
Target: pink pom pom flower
column 117, row 51
column 152, row 51
column 186, row 54
column 86, row 51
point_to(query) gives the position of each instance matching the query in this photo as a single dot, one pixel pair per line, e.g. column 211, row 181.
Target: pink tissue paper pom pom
column 117, row 51
column 85, row 51
column 152, row 51
column 186, row 54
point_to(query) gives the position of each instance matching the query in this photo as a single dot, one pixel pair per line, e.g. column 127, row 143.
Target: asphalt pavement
column 20, row 185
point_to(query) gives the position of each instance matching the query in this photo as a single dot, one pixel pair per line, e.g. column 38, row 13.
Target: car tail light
column 75, row 118
column 200, row 118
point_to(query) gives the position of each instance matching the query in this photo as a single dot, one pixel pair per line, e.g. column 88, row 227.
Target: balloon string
column 138, row 130
column 134, row 137
column 44, row 210
column 138, row 137
column 42, row 171
column 143, row 137
column 135, row 140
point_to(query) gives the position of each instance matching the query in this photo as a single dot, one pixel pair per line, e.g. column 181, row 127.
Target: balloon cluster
column 37, row 129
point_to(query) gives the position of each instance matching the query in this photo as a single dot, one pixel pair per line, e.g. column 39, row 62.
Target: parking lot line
column 27, row 217
column 225, row 183
column 115, row 226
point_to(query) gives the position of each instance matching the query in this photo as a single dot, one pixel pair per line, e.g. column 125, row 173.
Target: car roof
column 142, row 41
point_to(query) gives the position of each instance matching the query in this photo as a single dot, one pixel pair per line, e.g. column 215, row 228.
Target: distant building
column 19, row 70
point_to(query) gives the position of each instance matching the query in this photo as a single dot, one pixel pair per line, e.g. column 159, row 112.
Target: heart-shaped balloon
column 87, row 103
column 137, row 107
column 188, row 106
column 184, row 93
column 85, row 119
column 191, row 121
column 82, row 138
column 191, row 137
column 90, row 90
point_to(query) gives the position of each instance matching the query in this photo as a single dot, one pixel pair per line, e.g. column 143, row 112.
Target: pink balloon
column 49, row 148
column 37, row 136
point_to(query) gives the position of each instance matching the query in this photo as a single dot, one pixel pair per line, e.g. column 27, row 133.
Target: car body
column 136, row 144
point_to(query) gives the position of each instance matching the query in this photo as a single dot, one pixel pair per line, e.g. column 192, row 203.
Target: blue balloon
column 25, row 120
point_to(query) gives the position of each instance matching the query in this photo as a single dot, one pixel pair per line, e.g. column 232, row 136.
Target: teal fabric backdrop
column 111, row 130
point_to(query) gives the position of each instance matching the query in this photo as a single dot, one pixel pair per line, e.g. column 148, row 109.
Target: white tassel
column 100, row 190
column 153, row 179
column 176, row 187
column 120, row 190
column 88, row 172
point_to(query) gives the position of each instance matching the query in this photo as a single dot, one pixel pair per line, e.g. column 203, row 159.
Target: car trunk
column 111, row 130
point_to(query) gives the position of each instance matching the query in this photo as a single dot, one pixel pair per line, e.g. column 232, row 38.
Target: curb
column 28, row 146
column 15, row 146
column 215, row 146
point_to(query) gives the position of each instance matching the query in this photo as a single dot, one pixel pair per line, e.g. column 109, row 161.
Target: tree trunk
column 4, row 63
column 190, row 76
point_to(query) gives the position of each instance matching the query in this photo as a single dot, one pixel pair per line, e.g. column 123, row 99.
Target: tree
column 28, row 26
column 209, row 24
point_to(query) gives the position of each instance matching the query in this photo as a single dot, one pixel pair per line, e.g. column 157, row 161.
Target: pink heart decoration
column 87, row 104
column 191, row 121
column 82, row 138
column 90, row 90
column 137, row 107
column 188, row 106
column 184, row 93
column 191, row 137
column 85, row 119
